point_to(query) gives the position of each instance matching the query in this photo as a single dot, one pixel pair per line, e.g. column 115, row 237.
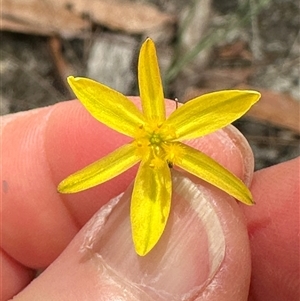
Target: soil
column 31, row 76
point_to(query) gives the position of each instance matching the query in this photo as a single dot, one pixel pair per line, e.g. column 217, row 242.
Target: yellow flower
column 156, row 144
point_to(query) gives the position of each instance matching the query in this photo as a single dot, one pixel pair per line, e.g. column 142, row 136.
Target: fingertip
column 14, row 276
column 200, row 254
column 33, row 216
column 274, row 221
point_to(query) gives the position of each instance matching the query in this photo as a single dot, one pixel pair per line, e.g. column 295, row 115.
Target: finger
column 273, row 226
column 35, row 223
column 14, row 277
column 202, row 255
column 46, row 145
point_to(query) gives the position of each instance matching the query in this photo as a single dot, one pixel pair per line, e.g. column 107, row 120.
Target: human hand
column 45, row 145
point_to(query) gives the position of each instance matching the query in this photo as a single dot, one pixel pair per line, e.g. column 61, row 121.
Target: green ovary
column 155, row 139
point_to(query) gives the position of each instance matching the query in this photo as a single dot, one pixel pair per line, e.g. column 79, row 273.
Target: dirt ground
column 246, row 42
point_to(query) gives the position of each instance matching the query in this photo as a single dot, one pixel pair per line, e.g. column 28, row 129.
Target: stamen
column 176, row 101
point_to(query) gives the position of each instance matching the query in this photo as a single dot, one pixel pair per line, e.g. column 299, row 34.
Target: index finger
column 44, row 146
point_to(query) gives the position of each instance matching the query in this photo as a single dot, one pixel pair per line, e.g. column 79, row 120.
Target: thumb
column 202, row 255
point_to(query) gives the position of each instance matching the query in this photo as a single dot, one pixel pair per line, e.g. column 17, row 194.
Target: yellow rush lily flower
column 156, row 144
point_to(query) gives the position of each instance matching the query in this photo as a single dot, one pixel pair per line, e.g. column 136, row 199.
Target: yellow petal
column 100, row 171
column 204, row 167
column 210, row 112
column 151, row 90
column 107, row 105
column 150, row 205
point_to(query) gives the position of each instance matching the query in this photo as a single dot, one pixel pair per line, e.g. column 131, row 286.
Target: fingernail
column 246, row 154
column 225, row 144
column 181, row 265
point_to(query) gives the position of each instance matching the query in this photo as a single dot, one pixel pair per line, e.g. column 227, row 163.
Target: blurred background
column 202, row 45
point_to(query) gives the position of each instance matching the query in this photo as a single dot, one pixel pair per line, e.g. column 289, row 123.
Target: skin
column 43, row 146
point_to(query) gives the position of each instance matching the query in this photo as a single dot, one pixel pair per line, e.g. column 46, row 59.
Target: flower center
column 155, row 139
